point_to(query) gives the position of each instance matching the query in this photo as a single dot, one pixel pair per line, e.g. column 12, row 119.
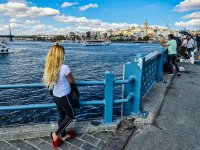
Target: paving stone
column 48, row 139
column 44, row 146
column 22, row 145
column 103, row 135
column 101, row 144
column 91, row 133
column 79, row 135
column 65, row 146
column 11, row 148
column 28, row 147
column 90, row 139
column 75, row 148
column 76, row 141
column 34, row 141
column 88, row 146
column 17, row 143
column 4, row 145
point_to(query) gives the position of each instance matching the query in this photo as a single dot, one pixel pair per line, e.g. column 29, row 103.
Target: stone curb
column 43, row 130
column 119, row 140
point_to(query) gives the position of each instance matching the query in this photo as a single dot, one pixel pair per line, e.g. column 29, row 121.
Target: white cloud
column 72, row 19
column 67, row 4
column 83, row 8
column 187, row 5
column 84, row 24
column 21, row 10
column 19, row 29
column 38, row 11
column 13, row 26
column 32, row 22
column 195, row 15
column 189, row 24
column 22, row 1
column 25, row 20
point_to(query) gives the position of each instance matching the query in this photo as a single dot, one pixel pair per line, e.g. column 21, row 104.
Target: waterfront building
column 98, row 34
column 109, row 33
column 93, row 34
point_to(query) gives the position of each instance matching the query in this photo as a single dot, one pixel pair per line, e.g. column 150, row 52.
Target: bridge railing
column 146, row 71
column 138, row 77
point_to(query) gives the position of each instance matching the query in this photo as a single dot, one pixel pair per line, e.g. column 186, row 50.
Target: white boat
column 96, row 43
column 3, row 48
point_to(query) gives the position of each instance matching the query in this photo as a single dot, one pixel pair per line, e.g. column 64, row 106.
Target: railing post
column 159, row 67
column 135, row 69
column 108, row 94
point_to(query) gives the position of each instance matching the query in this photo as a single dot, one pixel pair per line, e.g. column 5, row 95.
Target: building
column 146, row 27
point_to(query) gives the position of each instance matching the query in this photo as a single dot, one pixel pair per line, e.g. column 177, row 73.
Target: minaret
column 10, row 34
column 145, row 27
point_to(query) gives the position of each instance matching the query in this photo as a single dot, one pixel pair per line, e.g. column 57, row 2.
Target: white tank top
column 62, row 86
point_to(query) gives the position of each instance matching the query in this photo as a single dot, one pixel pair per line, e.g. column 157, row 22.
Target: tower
column 10, row 34
column 145, row 27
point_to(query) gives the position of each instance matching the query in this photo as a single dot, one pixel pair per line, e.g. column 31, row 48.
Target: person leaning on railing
column 172, row 53
column 58, row 77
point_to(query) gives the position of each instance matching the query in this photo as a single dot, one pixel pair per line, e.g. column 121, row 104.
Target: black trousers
column 66, row 113
column 198, row 45
column 183, row 52
column 189, row 50
column 172, row 60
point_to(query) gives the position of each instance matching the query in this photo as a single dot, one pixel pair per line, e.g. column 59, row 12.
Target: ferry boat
column 96, row 43
column 3, row 49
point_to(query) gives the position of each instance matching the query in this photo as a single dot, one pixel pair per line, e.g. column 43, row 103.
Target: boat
column 3, row 48
column 96, row 43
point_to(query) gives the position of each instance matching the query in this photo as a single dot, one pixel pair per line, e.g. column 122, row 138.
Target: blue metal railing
column 138, row 77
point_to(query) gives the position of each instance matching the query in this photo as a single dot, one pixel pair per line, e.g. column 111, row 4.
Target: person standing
column 184, row 47
column 190, row 45
column 57, row 76
column 172, row 54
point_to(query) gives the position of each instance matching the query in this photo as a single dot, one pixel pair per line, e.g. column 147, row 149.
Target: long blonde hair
column 53, row 64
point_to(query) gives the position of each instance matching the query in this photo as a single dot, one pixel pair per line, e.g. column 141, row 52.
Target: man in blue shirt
column 172, row 53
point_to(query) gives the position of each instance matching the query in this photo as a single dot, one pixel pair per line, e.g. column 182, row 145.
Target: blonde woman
column 58, row 77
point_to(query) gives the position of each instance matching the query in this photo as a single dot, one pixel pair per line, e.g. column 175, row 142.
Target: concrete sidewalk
column 177, row 126
column 85, row 141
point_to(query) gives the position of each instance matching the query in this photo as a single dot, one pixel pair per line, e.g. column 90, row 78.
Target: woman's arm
column 70, row 78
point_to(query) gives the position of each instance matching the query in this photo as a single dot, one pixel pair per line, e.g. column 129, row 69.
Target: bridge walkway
column 177, row 125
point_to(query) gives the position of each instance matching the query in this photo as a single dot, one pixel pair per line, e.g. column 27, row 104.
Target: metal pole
column 108, row 101
column 135, row 69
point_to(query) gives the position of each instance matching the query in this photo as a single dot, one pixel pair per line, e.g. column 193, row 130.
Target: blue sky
column 57, row 16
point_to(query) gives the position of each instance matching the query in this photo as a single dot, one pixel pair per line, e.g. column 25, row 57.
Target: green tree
column 59, row 38
column 146, row 38
column 140, row 39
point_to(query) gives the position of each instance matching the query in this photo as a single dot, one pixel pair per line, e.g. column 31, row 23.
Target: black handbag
column 75, row 96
